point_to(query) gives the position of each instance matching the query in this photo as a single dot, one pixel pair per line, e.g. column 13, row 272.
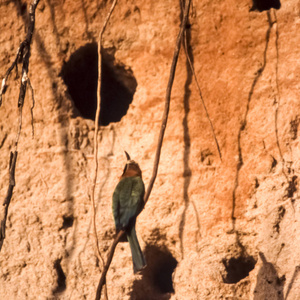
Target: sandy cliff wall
column 212, row 229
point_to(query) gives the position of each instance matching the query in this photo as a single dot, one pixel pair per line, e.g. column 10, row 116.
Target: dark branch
column 12, row 183
column 108, row 262
column 168, row 98
column 26, row 52
column 96, row 143
column 159, row 145
column 23, row 54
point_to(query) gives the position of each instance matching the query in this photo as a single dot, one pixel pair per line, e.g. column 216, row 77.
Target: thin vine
column 159, row 144
column 23, row 55
column 94, row 181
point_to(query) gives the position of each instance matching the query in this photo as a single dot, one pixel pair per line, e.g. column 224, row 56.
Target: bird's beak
column 127, row 156
column 126, row 165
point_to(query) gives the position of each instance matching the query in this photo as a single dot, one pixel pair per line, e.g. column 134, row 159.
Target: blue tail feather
column 138, row 259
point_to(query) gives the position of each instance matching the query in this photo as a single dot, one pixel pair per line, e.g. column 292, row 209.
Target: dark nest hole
column 61, row 278
column 67, row 222
column 157, row 281
column 262, row 5
column 118, row 84
column 238, row 268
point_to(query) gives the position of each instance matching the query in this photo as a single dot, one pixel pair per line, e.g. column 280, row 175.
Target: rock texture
column 212, row 229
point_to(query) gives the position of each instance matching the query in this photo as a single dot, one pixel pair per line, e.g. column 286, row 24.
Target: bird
column 127, row 203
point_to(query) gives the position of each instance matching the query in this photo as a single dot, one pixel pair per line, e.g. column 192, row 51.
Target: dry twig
column 12, row 183
column 159, row 145
column 98, row 253
column 108, row 262
column 23, row 54
column 167, row 100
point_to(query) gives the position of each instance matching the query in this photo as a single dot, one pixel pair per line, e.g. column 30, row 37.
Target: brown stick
column 159, row 145
column 12, row 183
column 96, row 132
column 23, row 53
column 98, row 253
column 108, row 262
column 167, row 101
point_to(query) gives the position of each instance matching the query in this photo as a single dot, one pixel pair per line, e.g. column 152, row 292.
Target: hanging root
column 159, row 145
column 98, row 253
column 12, row 183
column 23, row 54
column 167, row 101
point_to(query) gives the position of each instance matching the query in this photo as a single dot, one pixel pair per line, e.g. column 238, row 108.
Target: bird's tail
column 138, row 259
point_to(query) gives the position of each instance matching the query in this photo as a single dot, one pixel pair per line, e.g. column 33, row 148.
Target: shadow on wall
column 156, row 282
column 118, row 85
column 268, row 284
column 61, row 278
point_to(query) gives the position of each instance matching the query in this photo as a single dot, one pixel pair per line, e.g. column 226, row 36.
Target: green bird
column 128, row 202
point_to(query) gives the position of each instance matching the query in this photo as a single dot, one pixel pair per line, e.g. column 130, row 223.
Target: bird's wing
column 116, row 203
column 130, row 198
column 137, row 195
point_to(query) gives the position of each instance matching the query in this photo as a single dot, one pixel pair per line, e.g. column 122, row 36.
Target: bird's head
column 131, row 168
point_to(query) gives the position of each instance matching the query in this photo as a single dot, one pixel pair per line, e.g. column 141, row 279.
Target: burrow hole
column 157, row 280
column 61, row 277
column 118, row 85
column 262, row 5
column 68, row 221
column 238, row 268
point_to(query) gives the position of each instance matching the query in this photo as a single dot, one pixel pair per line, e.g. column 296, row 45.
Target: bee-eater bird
column 128, row 202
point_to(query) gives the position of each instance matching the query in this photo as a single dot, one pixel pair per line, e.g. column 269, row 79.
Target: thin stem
column 108, row 262
column 167, row 101
column 159, row 145
column 23, row 53
column 98, row 253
